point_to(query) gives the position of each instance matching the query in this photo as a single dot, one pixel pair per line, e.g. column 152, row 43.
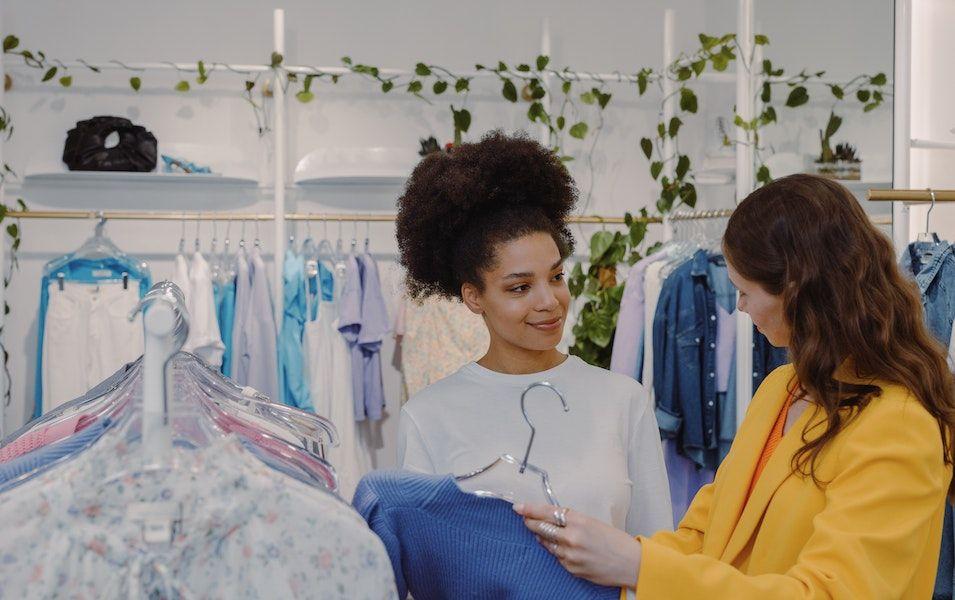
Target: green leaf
column 599, row 244
column 767, row 67
column 135, row 83
column 565, row 87
column 561, row 121
column 439, row 87
column 501, row 66
column 720, row 63
column 248, row 84
column 768, row 116
column 797, row 97
column 182, row 86
column 305, row 97
column 760, row 39
column 13, row 230
column 642, row 83
column 682, row 166
column 203, row 76
column 870, row 106
column 833, row 125
column 542, row 62
column 536, row 111
column 688, row 195
column 588, row 97
column 21, row 204
column 523, row 68
column 387, row 86
column 10, row 42
column 675, row 123
column 462, row 119
column 706, row 41
column 762, row 175
column 579, row 130
column 460, row 85
column 661, row 130
column 415, row 87
column 767, row 94
column 422, row 70
column 688, row 101
column 603, row 100
column 863, row 95
column 684, row 73
column 307, row 84
column 655, row 168
column 66, row 81
column 277, row 59
column 509, row 91
column 50, row 74
column 346, row 60
column 537, row 91
column 877, row 96
column 879, row 79
column 837, row 91
column 699, row 66
column 647, row 146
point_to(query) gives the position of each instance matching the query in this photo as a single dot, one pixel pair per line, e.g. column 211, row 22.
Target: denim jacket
column 684, row 363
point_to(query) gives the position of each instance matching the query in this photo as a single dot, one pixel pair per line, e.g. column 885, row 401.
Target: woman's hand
column 586, row 547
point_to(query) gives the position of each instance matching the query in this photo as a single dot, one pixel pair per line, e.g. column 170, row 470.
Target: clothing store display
column 255, row 348
column 86, row 149
column 42, row 457
column 294, row 387
column 795, row 538
column 445, row 543
column 438, row 337
column 363, row 320
column 328, row 367
column 603, row 456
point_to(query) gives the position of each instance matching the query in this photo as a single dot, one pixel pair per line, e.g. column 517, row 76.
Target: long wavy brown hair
column 846, row 300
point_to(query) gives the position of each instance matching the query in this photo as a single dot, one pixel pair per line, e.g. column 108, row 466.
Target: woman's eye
column 559, row 277
column 520, row 288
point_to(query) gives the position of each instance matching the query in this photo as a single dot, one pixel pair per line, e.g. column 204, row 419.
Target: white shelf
column 125, row 177
column 354, row 180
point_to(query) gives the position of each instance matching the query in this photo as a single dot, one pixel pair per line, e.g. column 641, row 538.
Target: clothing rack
column 911, row 195
column 214, row 216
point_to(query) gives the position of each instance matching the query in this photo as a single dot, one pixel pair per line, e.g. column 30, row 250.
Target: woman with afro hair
column 486, row 224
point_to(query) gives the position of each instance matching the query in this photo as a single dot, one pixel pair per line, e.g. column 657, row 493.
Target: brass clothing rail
column 911, row 195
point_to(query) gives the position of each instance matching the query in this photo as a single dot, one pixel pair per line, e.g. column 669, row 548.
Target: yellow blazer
column 871, row 531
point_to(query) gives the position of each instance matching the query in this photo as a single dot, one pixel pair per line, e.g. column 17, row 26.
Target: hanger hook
column 928, row 215
column 530, row 442
column 101, row 225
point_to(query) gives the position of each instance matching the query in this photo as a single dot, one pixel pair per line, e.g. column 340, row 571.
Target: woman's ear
column 472, row 298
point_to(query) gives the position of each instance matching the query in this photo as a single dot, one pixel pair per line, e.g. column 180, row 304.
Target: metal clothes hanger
column 523, row 465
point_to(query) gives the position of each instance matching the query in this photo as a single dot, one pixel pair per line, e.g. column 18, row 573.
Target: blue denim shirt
column 684, row 362
column 936, row 282
column 84, row 271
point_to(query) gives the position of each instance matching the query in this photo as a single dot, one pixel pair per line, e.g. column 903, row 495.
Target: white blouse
column 604, row 456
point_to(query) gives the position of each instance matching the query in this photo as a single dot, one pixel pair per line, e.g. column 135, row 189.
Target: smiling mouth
column 549, row 325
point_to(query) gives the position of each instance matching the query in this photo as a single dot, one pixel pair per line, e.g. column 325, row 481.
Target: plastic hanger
column 522, row 465
column 97, row 247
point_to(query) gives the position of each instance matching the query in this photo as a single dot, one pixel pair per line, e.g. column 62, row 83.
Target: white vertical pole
column 3, row 265
column 545, row 80
column 902, row 124
column 279, row 131
column 744, row 185
column 669, row 18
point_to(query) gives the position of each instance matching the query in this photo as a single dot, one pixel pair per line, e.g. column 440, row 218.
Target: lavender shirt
column 627, row 355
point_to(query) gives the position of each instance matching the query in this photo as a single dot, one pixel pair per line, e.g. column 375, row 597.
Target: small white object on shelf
column 376, row 166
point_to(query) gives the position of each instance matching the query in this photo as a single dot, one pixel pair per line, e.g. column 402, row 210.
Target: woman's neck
column 520, row 361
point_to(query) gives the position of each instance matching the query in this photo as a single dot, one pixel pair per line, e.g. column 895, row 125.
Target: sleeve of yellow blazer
column 890, row 482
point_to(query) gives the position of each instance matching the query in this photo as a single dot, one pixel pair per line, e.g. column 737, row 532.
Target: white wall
column 933, row 113
column 611, row 35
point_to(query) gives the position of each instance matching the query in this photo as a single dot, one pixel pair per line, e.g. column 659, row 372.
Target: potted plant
column 841, row 163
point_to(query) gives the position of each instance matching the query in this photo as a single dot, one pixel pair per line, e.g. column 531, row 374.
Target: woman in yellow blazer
column 836, row 482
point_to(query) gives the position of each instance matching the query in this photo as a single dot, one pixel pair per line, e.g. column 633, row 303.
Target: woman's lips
column 549, row 325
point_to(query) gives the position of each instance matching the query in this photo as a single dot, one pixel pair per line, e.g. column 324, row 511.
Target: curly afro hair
column 458, row 206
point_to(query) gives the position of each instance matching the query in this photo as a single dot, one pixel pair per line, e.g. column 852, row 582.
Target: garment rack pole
column 911, row 195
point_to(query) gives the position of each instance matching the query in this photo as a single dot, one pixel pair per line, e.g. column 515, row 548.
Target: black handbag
column 86, row 150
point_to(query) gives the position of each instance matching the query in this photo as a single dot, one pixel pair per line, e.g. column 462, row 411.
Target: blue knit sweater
column 448, row 544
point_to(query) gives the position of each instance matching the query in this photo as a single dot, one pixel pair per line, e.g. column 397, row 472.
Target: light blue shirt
column 294, row 387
